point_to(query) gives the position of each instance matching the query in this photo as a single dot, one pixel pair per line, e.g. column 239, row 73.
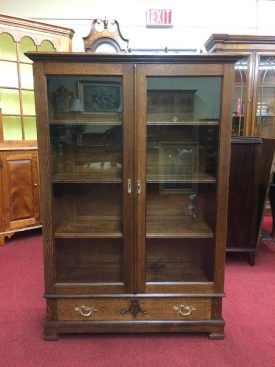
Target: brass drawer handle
column 85, row 311
column 184, row 310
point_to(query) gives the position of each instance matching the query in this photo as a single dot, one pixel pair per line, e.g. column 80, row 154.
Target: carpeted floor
column 249, row 312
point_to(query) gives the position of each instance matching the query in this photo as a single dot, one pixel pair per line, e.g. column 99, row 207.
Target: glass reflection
column 87, row 148
column 265, row 109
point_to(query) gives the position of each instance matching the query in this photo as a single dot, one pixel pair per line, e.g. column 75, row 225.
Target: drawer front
column 123, row 309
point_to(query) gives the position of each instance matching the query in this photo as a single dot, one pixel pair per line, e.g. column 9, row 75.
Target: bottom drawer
column 123, row 309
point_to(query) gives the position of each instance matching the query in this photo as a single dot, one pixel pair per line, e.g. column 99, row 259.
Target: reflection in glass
column 178, row 99
column 177, row 153
column 87, row 149
column 181, row 210
column 265, row 110
column 100, row 98
column 91, row 208
column 239, row 102
column 181, row 169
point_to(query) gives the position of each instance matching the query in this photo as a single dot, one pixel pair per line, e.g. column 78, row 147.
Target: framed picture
column 177, row 161
column 100, row 97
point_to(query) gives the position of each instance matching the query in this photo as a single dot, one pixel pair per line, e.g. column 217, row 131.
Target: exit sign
column 159, row 18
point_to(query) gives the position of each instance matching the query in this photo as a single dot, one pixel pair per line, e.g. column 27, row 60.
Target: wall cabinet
column 18, row 146
column 134, row 190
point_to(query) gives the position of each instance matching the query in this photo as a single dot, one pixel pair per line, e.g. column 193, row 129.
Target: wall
column 193, row 20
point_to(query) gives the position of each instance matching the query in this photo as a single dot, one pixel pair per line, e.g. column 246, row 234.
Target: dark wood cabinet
column 244, row 186
column 134, row 190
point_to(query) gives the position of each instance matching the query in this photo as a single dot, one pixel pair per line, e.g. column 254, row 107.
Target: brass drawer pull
column 85, row 311
column 184, row 310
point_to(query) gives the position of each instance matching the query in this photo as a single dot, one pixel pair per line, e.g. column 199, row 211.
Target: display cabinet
column 18, row 147
column 253, row 111
column 134, row 183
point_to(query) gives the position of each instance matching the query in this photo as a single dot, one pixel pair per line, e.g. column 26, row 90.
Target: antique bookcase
column 134, row 188
column 19, row 177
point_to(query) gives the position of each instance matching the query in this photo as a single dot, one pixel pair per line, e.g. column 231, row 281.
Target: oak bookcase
column 134, row 162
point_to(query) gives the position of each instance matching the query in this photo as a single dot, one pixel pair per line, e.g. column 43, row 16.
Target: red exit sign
column 159, row 18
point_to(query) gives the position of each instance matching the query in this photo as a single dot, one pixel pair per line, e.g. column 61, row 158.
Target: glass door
column 90, row 191
column 182, row 129
column 241, row 99
column 264, row 110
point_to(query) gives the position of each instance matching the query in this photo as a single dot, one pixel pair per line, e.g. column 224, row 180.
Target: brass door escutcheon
column 134, row 308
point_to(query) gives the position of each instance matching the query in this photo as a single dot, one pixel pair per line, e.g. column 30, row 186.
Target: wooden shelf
column 84, row 121
column 199, row 177
column 177, row 227
column 174, row 272
column 187, row 123
column 100, row 227
column 109, row 273
column 91, row 177
column 86, row 117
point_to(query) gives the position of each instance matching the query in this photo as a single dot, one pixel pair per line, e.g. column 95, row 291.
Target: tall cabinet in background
column 254, row 94
column 19, row 177
column 253, row 131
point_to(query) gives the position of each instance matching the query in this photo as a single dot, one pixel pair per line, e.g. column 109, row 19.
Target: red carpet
column 249, row 312
column 267, row 223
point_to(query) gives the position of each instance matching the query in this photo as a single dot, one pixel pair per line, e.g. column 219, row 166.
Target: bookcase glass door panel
column 86, row 151
column 87, row 210
column 86, row 131
column 89, row 260
column 265, row 108
column 179, row 260
column 181, row 171
column 240, row 97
